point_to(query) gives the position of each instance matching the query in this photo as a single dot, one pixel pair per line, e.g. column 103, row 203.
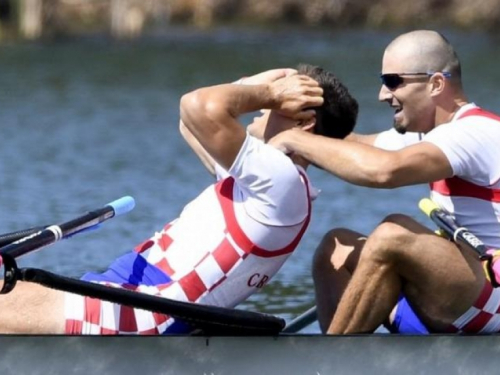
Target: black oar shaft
column 302, row 321
column 211, row 319
column 8, row 238
column 446, row 222
column 54, row 233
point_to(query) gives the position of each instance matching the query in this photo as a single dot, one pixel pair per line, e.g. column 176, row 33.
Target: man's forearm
column 235, row 100
column 367, row 139
column 353, row 162
column 211, row 115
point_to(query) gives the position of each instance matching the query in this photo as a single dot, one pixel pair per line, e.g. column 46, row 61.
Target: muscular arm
column 211, row 113
column 257, row 79
column 368, row 139
column 202, row 154
column 364, row 165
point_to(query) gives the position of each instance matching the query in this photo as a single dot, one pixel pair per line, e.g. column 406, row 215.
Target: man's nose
column 384, row 94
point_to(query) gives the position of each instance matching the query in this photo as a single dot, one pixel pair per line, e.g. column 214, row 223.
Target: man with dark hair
column 342, row 107
column 229, row 241
column 403, row 272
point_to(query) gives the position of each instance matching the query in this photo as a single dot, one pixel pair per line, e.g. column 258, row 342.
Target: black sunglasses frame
column 393, row 80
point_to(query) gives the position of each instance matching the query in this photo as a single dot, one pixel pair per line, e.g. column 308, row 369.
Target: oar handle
column 446, row 222
column 93, row 218
column 427, row 206
column 122, row 205
column 54, row 233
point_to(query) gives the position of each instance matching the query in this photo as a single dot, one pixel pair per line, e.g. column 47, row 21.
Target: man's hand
column 281, row 139
column 268, row 76
column 294, row 93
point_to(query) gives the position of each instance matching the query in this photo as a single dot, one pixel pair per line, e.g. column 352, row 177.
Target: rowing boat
column 282, row 354
column 231, row 341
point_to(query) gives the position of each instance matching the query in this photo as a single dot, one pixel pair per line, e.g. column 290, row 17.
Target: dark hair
column 337, row 116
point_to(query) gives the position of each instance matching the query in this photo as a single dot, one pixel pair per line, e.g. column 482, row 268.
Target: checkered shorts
column 90, row 316
column 85, row 315
column 483, row 316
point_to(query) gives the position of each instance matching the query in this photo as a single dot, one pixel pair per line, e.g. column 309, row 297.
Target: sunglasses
column 393, row 80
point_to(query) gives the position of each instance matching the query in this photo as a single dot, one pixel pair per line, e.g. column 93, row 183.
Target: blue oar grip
column 122, row 205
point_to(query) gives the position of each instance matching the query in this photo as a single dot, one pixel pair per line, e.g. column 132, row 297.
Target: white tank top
column 216, row 252
column 471, row 143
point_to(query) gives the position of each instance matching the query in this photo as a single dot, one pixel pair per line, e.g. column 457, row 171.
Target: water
column 86, row 122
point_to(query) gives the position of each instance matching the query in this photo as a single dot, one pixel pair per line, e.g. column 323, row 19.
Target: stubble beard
column 401, row 129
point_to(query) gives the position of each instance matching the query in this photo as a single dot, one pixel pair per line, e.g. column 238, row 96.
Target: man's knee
column 390, row 239
column 397, row 219
column 408, row 223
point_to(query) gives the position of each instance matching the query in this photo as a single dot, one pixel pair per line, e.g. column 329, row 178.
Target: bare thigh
column 32, row 308
column 440, row 280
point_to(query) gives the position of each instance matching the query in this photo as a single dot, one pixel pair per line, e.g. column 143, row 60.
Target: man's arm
column 364, row 165
column 202, row 154
column 367, row 139
column 259, row 78
column 211, row 113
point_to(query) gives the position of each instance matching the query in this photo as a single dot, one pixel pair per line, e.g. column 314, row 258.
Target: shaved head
column 426, row 50
column 422, row 96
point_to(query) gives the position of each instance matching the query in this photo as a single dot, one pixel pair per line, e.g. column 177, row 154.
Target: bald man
column 402, row 274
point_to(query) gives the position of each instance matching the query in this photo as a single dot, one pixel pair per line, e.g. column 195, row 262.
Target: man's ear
column 307, row 125
column 438, row 82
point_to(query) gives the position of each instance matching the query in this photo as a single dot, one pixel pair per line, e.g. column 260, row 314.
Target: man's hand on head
column 295, row 95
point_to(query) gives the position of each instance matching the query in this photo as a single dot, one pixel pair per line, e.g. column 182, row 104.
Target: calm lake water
column 86, row 122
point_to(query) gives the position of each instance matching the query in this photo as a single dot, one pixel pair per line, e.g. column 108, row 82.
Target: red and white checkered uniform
column 483, row 316
column 92, row 316
column 226, row 244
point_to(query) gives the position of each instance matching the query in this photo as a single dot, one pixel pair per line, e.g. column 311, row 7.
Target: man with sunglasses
column 402, row 274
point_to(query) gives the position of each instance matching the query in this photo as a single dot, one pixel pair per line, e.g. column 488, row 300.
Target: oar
column 54, row 233
column 446, row 222
column 302, row 321
column 10, row 237
column 210, row 319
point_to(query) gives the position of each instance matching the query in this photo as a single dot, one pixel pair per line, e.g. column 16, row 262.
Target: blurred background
column 33, row 19
column 89, row 94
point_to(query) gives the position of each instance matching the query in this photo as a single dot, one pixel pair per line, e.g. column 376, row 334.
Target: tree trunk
column 31, row 14
column 127, row 18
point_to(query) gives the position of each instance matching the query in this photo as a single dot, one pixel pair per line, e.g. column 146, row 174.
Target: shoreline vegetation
column 129, row 19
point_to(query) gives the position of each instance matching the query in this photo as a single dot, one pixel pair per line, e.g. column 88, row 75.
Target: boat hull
column 286, row 354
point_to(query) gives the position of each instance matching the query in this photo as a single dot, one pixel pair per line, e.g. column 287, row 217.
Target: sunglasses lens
column 391, row 81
